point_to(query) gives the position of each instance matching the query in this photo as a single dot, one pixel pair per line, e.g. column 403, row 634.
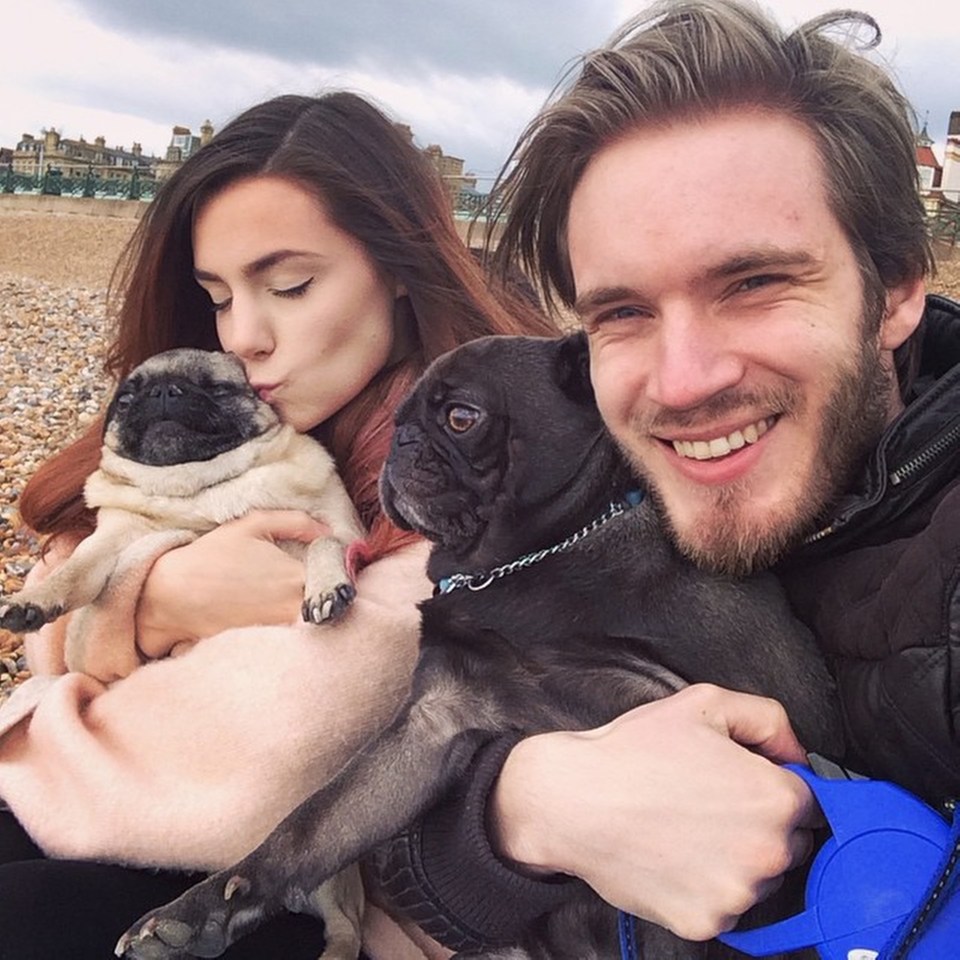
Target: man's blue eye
column 754, row 283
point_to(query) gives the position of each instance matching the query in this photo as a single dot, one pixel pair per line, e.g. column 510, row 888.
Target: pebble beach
column 54, row 272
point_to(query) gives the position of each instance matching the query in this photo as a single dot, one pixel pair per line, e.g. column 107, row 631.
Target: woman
column 313, row 240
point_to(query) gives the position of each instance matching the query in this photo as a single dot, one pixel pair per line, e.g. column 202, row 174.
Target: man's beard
column 853, row 418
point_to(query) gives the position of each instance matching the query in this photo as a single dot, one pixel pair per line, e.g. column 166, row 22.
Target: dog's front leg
column 328, row 590
column 340, row 901
column 383, row 789
column 76, row 582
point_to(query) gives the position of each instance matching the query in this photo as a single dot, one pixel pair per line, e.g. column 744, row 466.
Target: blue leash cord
column 940, row 897
column 627, row 926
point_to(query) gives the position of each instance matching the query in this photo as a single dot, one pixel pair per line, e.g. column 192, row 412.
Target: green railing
column 945, row 227
column 54, row 183
column 470, row 204
column 136, row 187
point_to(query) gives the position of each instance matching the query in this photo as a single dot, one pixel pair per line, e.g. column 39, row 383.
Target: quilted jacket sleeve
column 444, row 874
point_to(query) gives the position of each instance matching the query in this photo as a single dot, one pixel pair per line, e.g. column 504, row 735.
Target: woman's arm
column 190, row 761
column 233, row 576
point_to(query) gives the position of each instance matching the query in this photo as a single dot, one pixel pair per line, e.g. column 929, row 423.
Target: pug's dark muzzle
column 420, row 492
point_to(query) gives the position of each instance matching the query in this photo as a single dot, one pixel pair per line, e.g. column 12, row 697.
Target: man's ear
column 573, row 368
column 903, row 312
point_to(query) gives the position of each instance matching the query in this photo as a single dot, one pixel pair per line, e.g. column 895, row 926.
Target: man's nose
column 693, row 359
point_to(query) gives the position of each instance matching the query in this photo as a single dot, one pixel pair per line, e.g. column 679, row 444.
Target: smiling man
column 744, row 372
column 732, row 211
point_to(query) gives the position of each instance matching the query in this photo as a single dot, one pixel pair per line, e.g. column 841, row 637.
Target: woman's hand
column 233, row 576
column 672, row 812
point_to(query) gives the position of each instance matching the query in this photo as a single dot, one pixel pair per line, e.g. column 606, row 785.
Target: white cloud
column 87, row 80
column 60, row 68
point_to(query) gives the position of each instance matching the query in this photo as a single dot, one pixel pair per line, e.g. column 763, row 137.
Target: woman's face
column 301, row 303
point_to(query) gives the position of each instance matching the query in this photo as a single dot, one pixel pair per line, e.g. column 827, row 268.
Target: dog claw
column 147, row 949
column 143, row 945
column 329, row 606
column 236, row 884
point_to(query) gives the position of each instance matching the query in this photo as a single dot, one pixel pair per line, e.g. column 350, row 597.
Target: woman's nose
column 245, row 329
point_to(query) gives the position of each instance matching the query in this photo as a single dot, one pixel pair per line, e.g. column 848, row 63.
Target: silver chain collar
column 480, row 581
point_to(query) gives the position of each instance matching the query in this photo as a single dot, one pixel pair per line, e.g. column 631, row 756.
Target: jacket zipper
column 896, row 477
column 925, row 457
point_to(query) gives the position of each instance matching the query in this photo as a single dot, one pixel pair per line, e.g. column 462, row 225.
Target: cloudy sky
column 464, row 75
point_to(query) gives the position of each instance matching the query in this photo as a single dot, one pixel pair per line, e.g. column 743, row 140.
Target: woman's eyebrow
column 265, row 262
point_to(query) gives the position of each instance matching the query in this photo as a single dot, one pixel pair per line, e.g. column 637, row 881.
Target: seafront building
column 940, row 182
column 53, row 163
column 75, row 159
column 49, row 161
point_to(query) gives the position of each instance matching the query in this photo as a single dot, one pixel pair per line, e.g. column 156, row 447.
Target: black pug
column 566, row 606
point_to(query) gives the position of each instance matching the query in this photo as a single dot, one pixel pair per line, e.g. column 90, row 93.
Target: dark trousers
column 77, row 910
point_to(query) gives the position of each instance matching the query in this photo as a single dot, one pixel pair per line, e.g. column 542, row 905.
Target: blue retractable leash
column 884, row 886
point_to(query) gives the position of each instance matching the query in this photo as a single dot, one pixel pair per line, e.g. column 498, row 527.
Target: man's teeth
column 721, row 446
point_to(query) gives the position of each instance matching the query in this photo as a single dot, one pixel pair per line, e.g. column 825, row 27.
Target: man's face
column 730, row 351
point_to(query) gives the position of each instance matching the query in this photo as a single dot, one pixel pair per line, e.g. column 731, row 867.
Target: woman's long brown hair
column 376, row 186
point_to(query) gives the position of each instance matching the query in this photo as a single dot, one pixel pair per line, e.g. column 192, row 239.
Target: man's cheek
column 612, row 393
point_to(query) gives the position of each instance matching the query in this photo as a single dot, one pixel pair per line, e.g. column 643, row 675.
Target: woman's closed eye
column 219, row 294
column 297, row 291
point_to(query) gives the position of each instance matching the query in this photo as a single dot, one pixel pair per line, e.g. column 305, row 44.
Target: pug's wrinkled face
column 492, row 431
column 184, row 406
column 448, row 456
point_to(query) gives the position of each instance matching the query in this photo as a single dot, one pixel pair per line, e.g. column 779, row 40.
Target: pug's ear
column 572, row 368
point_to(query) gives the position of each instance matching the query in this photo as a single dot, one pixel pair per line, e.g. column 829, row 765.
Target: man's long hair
column 693, row 58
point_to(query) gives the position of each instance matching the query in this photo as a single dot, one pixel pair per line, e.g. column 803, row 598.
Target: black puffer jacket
column 879, row 587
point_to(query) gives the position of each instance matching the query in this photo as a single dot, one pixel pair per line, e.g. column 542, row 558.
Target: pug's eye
column 124, row 399
column 461, row 418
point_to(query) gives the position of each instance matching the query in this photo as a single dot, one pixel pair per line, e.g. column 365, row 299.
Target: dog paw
column 329, row 606
column 203, row 922
column 24, row 617
column 157, row 940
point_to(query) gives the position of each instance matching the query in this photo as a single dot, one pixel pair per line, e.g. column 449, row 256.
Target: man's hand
column 673, row 812
column 233, row 576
